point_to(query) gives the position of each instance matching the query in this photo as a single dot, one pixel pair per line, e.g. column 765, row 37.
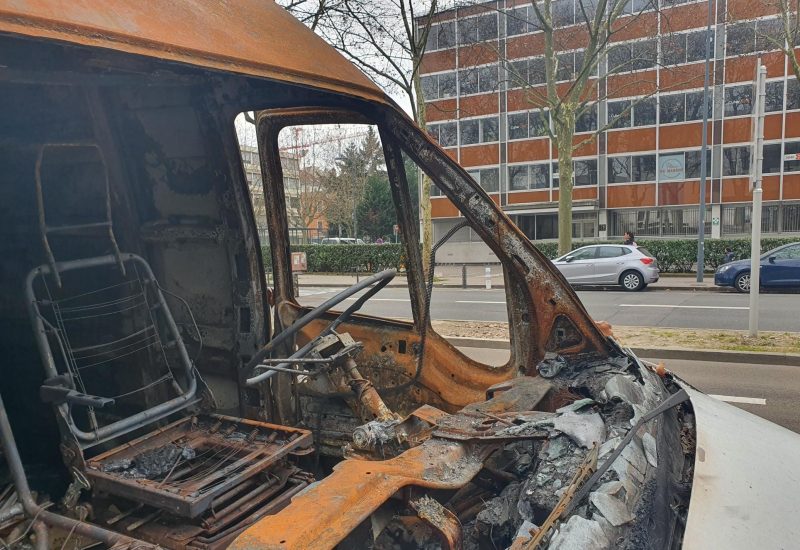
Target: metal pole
column 464, row 276
column 701, row 229
column 755, row 239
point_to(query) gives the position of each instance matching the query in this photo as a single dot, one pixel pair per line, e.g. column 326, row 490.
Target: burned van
column 157, row 391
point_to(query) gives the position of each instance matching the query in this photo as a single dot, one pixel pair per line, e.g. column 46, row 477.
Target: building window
column 640, row 112
column 438, row 86
column 526, row 72
column 569, row 65
column 529, row 176
column 487, row 178
column 738, row 100
column 477, row 29
column 518, row 177
column 619, row 169
column 479, row 130
column 737, row 219
column 532, row 124
column 446, row 134
column 772, row 159
column 441, row 36
column 682, row 107
column 522, row 20
column 736, row 161
column 644, row 112
column 792, row 94
column 563, row 13
column 587, row 121
column 619, row 114
column 643, row 168
column 585, row 172
column 658, row 222
column 775, row 94
column 684, row 47
column 754, row 36
column 791, row 149
column 632, row 56
column 692, row 164
column 478, row 80
column 672, row 108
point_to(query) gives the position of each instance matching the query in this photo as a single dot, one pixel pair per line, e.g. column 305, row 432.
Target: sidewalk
column 451, row 276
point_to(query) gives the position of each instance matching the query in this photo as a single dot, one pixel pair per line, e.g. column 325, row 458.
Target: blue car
column 780, row 268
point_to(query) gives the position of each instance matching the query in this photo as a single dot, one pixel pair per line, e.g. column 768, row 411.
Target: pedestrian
column 629, row 239
column 728, row 255
column 379, row 240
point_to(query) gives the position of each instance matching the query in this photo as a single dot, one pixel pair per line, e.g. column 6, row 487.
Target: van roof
column 250, row 37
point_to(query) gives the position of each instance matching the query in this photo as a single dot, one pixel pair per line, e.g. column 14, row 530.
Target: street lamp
column 701, row 230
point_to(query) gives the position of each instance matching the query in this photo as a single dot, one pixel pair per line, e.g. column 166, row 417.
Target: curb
column 717, row 356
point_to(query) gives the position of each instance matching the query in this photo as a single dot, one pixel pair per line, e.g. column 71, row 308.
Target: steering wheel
column 377, row 282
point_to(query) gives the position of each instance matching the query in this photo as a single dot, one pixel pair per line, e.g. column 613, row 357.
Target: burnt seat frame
column 58, row 387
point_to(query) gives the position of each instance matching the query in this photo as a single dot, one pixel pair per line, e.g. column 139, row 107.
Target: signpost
column 755, row 218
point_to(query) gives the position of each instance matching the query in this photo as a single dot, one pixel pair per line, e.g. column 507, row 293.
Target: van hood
column 746, row 480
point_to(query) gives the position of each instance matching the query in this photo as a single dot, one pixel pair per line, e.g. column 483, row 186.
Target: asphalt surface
column 677, row 309
column 768, row 391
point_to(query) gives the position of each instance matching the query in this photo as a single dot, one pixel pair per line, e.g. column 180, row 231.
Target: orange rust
column 325, row 513
column 248, row 37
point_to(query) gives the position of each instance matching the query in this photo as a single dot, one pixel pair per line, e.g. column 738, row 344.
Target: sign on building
column 671, row 168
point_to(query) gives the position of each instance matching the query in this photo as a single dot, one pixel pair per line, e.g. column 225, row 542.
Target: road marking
column 477, row 302
column 736, row 399
column 353, row 299
column 683, row 307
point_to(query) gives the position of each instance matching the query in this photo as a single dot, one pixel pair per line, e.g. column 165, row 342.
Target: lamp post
column 701, row 229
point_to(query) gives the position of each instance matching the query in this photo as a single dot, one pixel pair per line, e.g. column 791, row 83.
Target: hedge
column 674, row 256
column 679, row 255
column 347, row 258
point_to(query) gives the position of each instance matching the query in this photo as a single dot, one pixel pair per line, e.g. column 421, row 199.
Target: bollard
column 296, row 284
column 356, row 274
column 464, row 276
column 488, row 275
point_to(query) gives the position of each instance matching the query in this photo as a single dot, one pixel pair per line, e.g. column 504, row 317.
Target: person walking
column 728, row 255
column 629, row 239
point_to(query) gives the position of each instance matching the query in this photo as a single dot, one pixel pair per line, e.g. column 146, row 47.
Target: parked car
column 342, row 240
column 633, row 268
column 780, row 268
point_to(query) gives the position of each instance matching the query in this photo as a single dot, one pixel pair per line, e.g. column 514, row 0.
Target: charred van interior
column 157, row 393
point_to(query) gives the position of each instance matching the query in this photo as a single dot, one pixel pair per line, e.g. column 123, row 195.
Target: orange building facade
column 642, row 174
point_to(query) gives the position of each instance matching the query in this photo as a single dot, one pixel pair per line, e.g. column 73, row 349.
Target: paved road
column 656, row 309
column 772, row 392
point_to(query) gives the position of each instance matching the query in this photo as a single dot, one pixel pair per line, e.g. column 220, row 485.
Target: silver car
column 633, row 268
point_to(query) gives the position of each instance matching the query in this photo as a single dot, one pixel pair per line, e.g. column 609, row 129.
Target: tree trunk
column 564, row 135
column 425, row 188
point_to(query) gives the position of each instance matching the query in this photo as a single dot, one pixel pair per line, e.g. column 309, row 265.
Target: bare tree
column 781, row 33
column 567, row 87
column 387, row 40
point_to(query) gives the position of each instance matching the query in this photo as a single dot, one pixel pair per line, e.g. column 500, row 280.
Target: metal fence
column 775, row 218
column 658, row 222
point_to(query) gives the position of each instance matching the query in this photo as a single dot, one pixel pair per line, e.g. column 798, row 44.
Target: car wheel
column 631, row 281
column 742, row 282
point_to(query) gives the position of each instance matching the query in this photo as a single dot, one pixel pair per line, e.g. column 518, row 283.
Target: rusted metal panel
column 248, row 37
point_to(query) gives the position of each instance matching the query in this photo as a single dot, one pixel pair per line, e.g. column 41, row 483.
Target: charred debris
column 588, row 455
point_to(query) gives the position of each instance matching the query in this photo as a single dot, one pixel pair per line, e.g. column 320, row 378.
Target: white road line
column 477, row 302
column 683, row 307
column 353, row 299
column 736, row 399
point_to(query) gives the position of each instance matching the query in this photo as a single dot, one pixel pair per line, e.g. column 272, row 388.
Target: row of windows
column 539, row 176
column 739, row 99
column 473, row 131
column 626, row 113
column 471, row 30
column 642, row 168
column 523, row 20
column 741, row 38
